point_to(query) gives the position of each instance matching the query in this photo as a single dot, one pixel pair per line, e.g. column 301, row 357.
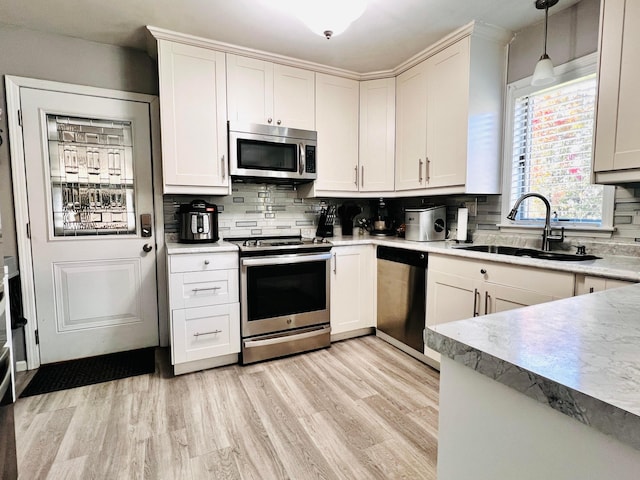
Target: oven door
column 283, row 292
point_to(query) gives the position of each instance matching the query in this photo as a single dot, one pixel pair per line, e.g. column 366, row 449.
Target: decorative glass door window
column 92, row 177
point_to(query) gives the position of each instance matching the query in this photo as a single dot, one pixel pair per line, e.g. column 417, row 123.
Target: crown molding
column 474, row 28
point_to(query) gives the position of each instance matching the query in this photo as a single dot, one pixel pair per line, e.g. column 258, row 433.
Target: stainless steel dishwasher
column 402, row 295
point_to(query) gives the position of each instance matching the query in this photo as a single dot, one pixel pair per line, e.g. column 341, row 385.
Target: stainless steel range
column 284, row 288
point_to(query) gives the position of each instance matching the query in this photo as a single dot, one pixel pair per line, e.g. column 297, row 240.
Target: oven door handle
column 286, row 338
column 284, row 259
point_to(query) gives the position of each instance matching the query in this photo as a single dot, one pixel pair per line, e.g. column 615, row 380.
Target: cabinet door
column 377, row 135
column 500, row 298
column 617, row 145
column 193, row 119
column 293, row 97
column 451, row 297
column 447, row 116
column 411, row 128
column 250, row 89
column 205, row 332
column 588, row 284
column 352, row 289
column 337, row 125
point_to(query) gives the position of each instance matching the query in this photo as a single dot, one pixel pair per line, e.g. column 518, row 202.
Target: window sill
column 569, row 230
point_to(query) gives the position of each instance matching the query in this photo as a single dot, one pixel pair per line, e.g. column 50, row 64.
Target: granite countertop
column 580, row 356
column 610, row 266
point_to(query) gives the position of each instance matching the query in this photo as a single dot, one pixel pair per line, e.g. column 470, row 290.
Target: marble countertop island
column 580, row 356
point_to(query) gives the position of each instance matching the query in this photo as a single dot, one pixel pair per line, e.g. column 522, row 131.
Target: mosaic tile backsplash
column 258, row 209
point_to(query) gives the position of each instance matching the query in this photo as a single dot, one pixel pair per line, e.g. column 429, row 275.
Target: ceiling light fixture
column 543, row 73
column 327, row 17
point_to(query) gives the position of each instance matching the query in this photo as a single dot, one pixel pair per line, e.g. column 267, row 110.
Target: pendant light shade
column 543, row 73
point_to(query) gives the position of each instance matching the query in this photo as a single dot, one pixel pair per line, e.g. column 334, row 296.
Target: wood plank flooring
column 359, row 410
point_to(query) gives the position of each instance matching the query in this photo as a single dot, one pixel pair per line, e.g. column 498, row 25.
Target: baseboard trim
column 21, row 366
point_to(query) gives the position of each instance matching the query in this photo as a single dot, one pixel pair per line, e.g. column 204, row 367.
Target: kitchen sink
column 528, row 252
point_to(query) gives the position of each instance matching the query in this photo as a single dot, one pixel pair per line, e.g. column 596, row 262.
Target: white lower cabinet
column 205, row 332
column 589, row 284
column 461, row 288
column 205, row 310
column 352, row 290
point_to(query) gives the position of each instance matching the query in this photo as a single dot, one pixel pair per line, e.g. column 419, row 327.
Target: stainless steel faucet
column 547, row 236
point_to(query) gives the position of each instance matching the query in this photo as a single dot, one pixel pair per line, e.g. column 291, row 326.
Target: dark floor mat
column 87, row 371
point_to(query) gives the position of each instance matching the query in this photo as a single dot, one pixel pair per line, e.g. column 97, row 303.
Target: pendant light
column 543, row 73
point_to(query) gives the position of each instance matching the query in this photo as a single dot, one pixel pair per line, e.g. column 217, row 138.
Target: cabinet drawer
column 202, row 262
column 199, row 289
column 205, row 332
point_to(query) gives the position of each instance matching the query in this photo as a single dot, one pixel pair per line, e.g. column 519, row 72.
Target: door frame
column 18, row 176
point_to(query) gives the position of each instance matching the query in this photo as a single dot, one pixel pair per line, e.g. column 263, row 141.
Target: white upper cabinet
column 617, row 139
column 377, row 135
column 448, row 123
column 193, row 119
column 411, row 128
column 337, row 109
column 268, row 93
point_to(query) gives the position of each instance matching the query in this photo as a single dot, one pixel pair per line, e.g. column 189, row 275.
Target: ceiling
column 389, row 32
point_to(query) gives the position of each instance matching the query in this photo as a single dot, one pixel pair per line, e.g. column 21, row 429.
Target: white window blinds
column 552, row 143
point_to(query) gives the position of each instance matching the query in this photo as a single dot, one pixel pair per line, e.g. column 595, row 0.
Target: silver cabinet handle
column 428, row 169
column 269, row 120
column 420, row 162
column 213, row 332
column 206, row 262
column 362, row 176
column 475, row 302
column 356, row 180
column 196, row 290
column 335, row 264
column 279, row 122
column 224, row 168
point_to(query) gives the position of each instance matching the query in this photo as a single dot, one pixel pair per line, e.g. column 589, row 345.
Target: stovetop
column 280, row 245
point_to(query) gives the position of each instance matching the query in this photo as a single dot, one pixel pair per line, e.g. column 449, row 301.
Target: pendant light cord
column 546, row 20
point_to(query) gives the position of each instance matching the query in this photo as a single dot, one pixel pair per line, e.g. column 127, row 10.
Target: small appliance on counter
column 382, row 223
column 198, row 222
column 347, row 212
column 326, row 221
column 426, row 224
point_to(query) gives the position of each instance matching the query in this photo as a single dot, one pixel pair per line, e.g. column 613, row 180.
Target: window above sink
column 548, row 142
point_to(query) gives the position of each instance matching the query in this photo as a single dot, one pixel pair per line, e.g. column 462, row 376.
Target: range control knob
column 258, row 243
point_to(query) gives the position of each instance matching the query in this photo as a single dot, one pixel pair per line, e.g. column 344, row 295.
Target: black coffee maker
column 382, row 223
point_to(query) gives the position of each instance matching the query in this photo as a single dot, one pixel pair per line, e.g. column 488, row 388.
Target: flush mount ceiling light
column 543, row 73
column 326, row 17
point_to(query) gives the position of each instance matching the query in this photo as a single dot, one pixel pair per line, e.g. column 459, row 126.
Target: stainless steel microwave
column 281, row 154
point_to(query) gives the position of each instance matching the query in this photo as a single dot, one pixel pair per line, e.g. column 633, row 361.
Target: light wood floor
column 358, row 410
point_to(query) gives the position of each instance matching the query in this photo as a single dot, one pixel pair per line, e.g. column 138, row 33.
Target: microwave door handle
column 301, row 158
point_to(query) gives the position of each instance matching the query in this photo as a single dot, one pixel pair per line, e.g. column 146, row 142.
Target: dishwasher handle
column 400, row 255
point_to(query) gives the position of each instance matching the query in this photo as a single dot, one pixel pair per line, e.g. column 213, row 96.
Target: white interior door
column 89, row 180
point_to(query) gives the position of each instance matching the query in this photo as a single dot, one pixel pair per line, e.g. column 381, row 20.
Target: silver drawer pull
column 196, row 290
column 198, row 334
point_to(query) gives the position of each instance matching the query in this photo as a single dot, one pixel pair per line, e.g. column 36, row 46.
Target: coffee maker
column 382, row 223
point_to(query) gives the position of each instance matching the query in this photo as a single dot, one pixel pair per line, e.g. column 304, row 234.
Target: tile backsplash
column 258, row 210
column 261, row 209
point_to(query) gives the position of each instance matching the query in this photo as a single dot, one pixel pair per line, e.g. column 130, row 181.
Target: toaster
column 426, row 224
